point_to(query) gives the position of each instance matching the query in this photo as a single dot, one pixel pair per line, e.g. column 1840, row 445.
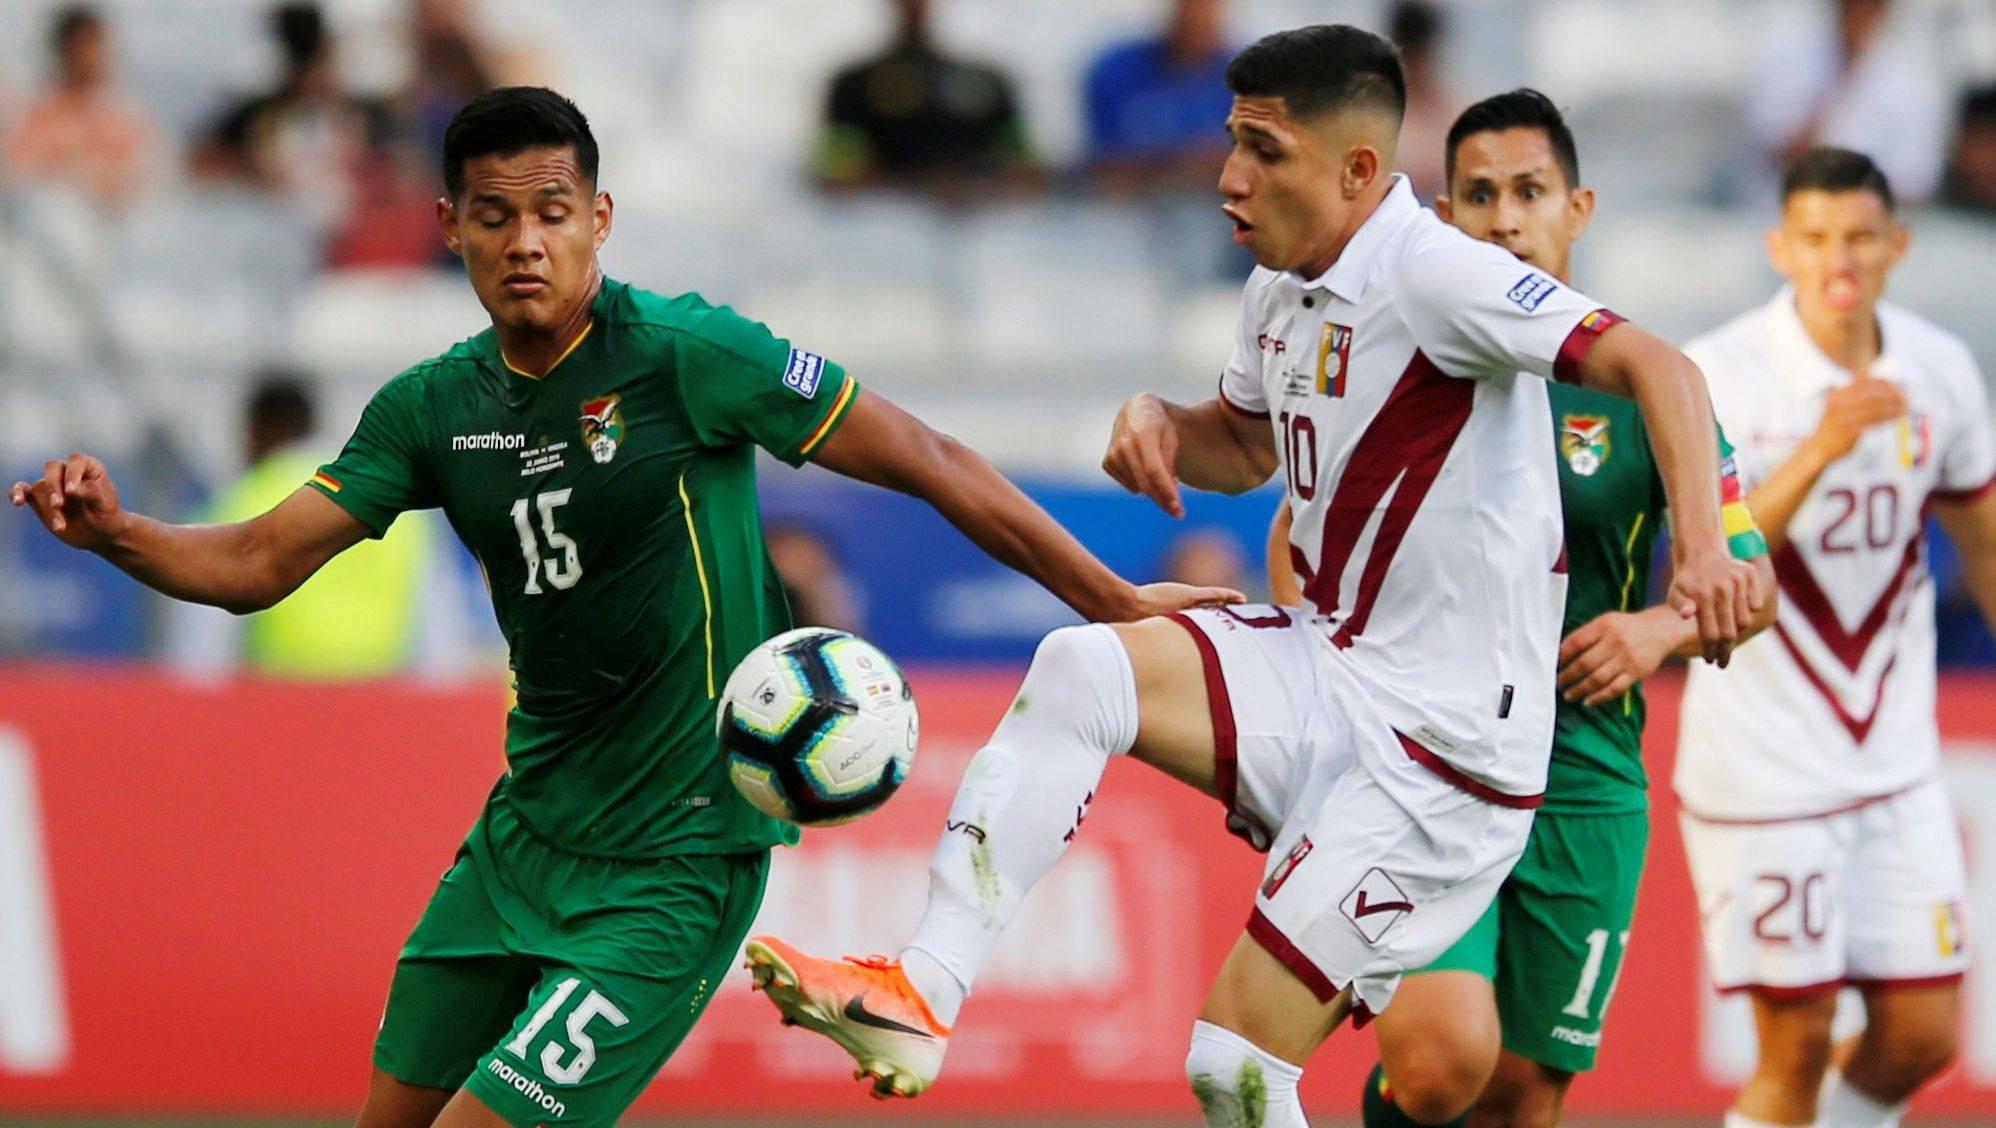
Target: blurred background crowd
column 217, row 238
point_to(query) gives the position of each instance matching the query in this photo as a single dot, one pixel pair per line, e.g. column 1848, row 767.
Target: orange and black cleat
column 865, row 1005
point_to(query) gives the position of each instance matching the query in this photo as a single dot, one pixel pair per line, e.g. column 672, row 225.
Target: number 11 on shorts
column 1590, row 975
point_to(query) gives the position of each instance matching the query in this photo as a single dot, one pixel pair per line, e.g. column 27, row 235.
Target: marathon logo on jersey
column 1333, row 359
column 803, row 372
column 490, row 440
column 1376, row 904
column 602, row 426
column 1583, row 440
column 1285, row 867
column 1531, row 291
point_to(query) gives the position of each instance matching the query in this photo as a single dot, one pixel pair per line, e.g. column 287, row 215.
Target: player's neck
column 1362, row 210
column 534, row 353
column 1850, row 342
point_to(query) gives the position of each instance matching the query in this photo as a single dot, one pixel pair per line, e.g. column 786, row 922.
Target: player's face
column 1285, row 184
column 1509, row 190
column 527, row 226
column 1836, row 248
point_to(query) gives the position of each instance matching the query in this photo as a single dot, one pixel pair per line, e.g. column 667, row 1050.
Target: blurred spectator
column 916, row 117
column 1417, row 28
column 1157, row 106
column 1869, row 78
column 1208, row 557
column 1971, row 178
column 356, row 617
column 307, row 138
column 80, row 133
column 814, row 582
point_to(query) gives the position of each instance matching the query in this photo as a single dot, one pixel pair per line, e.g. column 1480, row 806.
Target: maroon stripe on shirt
column 1800, row 587
column 1858, row 727
column 1962, row 496
column 1461, row 782
column 1405, row 443
column 1580, row 342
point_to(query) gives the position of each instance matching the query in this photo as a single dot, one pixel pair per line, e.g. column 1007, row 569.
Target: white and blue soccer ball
column 818, row 727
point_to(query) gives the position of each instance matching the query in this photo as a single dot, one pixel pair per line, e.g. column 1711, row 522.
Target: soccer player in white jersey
column 1391, row 744
column 1819, row 836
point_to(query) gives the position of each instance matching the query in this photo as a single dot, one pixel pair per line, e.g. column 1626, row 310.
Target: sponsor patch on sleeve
column 803, row 372
column 1532, row 290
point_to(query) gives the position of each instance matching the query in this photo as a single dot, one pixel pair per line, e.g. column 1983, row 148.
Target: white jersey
column 1835, row 704
column 1417, row 449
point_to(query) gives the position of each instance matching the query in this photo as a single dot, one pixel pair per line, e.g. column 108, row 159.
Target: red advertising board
column 203, row 888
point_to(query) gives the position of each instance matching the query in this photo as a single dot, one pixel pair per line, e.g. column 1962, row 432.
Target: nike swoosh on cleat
column 856, row 1011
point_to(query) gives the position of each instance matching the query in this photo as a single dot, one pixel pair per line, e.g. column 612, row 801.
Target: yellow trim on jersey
column 572, row 346
column 700, row 569
column 326, row 481
column 838, row 408
column 1628, row 583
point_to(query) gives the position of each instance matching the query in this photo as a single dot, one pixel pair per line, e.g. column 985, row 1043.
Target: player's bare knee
column 1915, row 1056
column 1438, row 1080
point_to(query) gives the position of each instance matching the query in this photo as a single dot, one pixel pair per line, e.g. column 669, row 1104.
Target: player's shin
column 1019, row 805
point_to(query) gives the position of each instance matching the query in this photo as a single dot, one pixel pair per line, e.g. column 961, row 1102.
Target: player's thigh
column 1568, row 908
column 1228, row 701
column 1770, row 901
column 456, row 987
column 1440, row 1034
column 595, row 1031
column 398, row 1104
column 1903, row 891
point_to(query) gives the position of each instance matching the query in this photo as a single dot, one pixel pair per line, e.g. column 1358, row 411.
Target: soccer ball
column 818, row 727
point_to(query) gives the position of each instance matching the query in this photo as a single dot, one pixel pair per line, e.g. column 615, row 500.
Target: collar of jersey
column 1809, row 369
column 1346, row 278
column 565, row 353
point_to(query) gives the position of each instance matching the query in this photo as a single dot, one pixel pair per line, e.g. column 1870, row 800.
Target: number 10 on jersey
column 1299, row 455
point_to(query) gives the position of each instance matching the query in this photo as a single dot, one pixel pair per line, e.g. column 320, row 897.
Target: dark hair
column 1978, row 106
column 512, row 119
column 71, row 21
column 1826, row 168
column 301, row 32
column 1414, row 26
column 1523, row 108
column 281, row 401
column 1319, row 68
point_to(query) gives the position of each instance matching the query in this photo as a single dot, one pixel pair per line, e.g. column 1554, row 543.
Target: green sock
column 1379, row 1110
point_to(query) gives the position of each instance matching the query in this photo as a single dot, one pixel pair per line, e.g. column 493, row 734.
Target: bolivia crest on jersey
column 1583, row 439
column 602, row 426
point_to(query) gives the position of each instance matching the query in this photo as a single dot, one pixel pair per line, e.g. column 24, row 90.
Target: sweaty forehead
column 549, row 170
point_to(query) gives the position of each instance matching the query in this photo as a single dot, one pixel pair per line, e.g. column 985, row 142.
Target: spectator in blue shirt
column 1157, row 107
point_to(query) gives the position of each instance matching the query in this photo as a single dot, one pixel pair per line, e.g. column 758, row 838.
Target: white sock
column 1842, row 1106
column 1737, row 1119
column 1239, row 1084
column 1019, row 804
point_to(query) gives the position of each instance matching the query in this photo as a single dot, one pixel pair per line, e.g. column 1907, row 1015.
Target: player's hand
column 76, row 500
column 1165, row 598
column 1721, row 593
column 1853, row 409
column 1143, row 452
column 1606, row 656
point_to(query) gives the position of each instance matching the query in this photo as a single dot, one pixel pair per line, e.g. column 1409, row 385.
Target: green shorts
column 553, row 986
column 1553, row 940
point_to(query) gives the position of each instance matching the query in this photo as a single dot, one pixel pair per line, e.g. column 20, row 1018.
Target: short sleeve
column 381, row 472
column 1479, row 312
column 1968, row 464
column 743, row 384
column 1240, row 382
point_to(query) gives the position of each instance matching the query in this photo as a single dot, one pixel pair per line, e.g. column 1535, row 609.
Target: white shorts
column 1868, row 896
column 1380, row 855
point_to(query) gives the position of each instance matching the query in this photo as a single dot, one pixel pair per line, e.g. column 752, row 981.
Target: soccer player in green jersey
column 595, row 449
column 1513, row 1011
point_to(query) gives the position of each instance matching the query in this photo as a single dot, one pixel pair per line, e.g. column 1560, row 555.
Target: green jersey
column 612, row 505
column 1614, row 507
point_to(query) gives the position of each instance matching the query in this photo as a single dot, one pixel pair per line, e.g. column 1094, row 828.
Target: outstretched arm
column 241, row 567
column 883, row 445
column 1707, row 584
